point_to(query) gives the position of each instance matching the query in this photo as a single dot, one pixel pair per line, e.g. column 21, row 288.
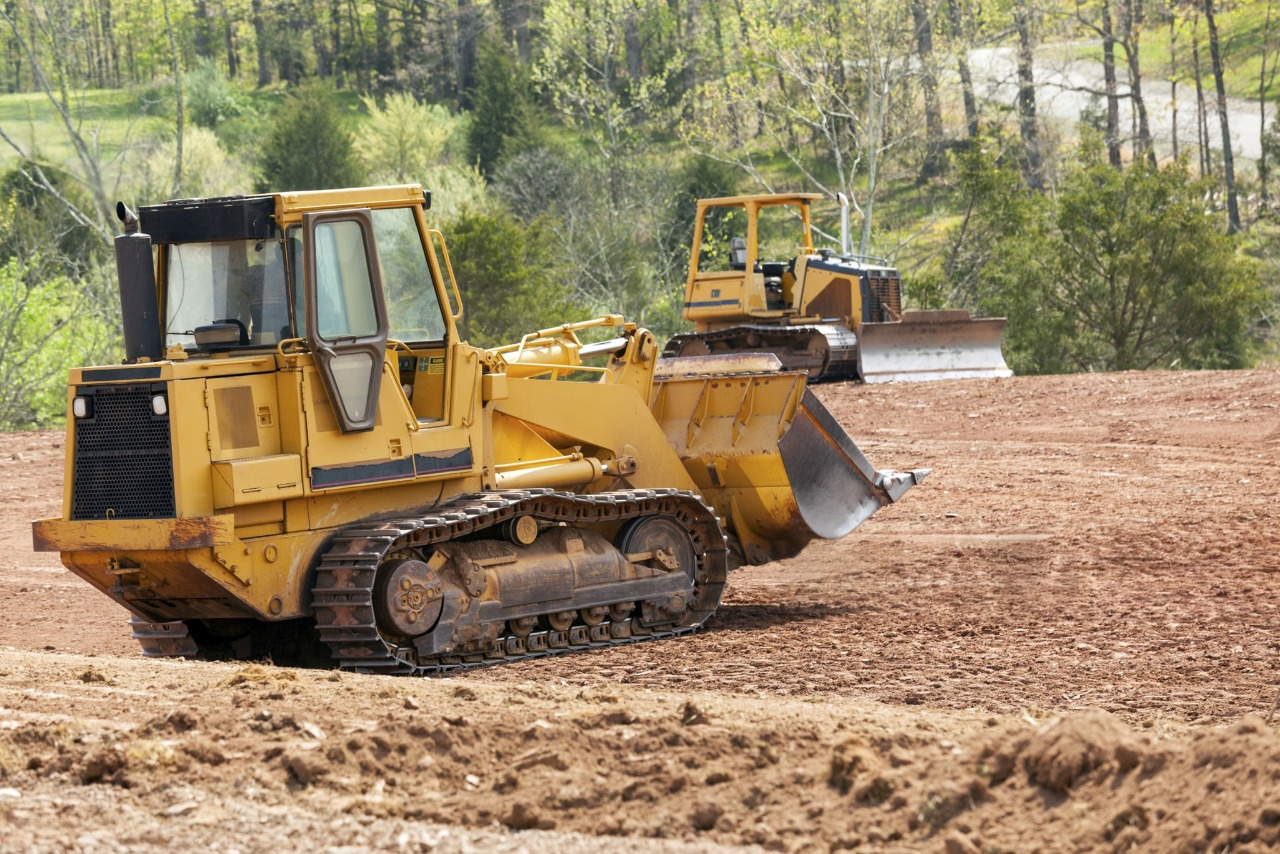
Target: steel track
column 343, row 592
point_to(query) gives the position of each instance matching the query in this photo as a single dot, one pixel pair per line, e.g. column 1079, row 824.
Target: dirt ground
column 1065, row 639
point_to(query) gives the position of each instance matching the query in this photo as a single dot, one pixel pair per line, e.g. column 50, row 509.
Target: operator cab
column 232, row 279
column 736, row 276
column 236, row 276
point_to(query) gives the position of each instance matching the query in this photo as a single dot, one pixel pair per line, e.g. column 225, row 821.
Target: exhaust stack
column 846, row 239
column 139, row 302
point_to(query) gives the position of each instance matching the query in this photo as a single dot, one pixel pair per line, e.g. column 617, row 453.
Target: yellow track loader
column 300, row 457
column 834, row 315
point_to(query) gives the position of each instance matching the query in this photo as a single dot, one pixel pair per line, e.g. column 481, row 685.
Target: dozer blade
column 931, row 345
column 767, row 455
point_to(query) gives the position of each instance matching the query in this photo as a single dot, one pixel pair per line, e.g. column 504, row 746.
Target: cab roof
column 762, row 199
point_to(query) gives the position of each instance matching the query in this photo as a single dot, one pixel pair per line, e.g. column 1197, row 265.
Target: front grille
column 887, row 305
column 124, row 456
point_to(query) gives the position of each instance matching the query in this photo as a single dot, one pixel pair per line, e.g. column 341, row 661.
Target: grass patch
column 110, row 119
column 1242, row 34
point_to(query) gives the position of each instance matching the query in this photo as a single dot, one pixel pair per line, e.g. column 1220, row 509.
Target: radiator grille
column 887, row 288
column 123, row 458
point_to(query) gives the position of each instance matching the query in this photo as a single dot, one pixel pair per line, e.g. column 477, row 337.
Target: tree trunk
column 384, row 64
column 631, row 44
column 1132, row 35
column 929, row 88
column 177, row 87
column 1264, row 168
column 229, row 42
column 319, row 42
column 743, row 31
column 1173, row 74
column 468, row 31
column 691, row 56
column 13, row 81
column 1228, row 161
column 362, row 63
column 1027, row 99
column 1202, row 119
column 203, row 34
column 877, row 103
column 335, row 42
column 524, row 41
column 1109, row 81
column 260, row 43
column 961, row 38
column 113, row 53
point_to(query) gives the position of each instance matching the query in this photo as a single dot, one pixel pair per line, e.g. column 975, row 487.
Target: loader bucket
column 931, row 345
column 767, row 455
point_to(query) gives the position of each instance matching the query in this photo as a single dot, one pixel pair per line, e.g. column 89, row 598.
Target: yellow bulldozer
column 300, row 457
column 834, row 315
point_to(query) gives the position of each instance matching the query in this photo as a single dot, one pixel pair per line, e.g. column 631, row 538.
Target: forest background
column 565, row 142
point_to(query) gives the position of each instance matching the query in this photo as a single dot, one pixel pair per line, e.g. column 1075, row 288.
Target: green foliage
column 454, row 189
column 1144, row 277
column 41, row 230
column 210, row 98
column 207, row 169
column 611, row 225
column 993, row 260
column 48, row 321
column 309, row 146
column 504, row 117
column 404, row 138
column 700, row 178
column 1271, row 157
column 1123, row 270
column 598, row 75
column 507, row 274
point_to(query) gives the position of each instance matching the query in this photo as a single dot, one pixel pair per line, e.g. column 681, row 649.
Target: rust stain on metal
column 54, row 535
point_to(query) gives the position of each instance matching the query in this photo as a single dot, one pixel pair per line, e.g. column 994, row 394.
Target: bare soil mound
column 1064, row 640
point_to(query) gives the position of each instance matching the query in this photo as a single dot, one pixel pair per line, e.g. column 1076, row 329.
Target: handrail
column 448, row 265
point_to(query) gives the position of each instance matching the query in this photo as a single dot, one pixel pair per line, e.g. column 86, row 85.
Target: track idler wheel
column 407, row 598
column 662, row 543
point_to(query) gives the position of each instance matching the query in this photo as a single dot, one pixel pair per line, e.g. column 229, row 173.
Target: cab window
column 720, row 225
column 413, row 307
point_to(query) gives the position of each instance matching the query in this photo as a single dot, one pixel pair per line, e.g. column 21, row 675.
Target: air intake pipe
column 139, row 302
column 846, row 241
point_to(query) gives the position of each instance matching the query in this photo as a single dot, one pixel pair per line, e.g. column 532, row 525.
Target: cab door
column 346, row 314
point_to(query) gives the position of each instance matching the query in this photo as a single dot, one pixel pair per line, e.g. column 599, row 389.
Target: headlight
column 160, row 405
column 80, row 407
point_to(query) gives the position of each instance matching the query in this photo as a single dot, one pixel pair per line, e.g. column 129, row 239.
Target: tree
column 506, row 272
column 961, row 39
column 610, row 225
column 48, row 320
column 41, row 229
column 1265, row 81
column 1028, row 122
column 833, row 113
column 308, row 146
column 922, row 17
column 1228, row 160
column 585, row 71
column 403, row 138
column 1142, row 277
column 503, row 112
